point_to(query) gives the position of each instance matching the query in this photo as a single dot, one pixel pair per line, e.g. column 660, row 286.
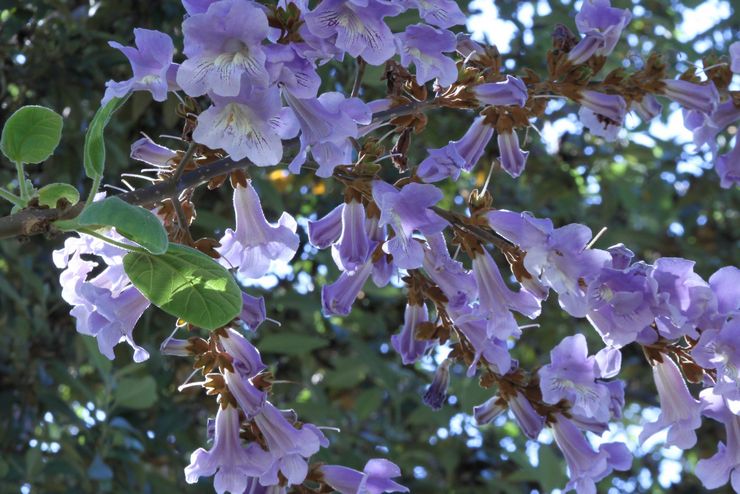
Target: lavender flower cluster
column 258, row 65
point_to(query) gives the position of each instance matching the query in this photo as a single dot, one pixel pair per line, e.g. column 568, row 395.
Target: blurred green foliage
column 72, row 421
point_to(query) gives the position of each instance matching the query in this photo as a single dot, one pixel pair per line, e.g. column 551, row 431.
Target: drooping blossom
column 573, row 375
column 598, row 19
column 440, row 13
column 699, row 97
column 228, row 459
column 337, row 298
column 353, row 245
column 497, row 300
column 557, row 257
column 246, row 358
column 603, row 114
column 375, row 478
column 223, row 45
column 489, row 348
column 457, row 156
column 324, row 231
column 288, row 446
column 647, row 107
column 513, row 159
column 530, row 422
column 436, row 394
column 151, row 62
column 680, row 413
column 250, row 399
column 510, row 91
column 727, row 167
column 424, row 46
column 250, row 125
column 405, row 343
column 106, row 306
column 150, row 152
column 586, row 466
column 357, row 27
column 457, row 283
column 406, row 211
column 720, row 349
column 724, row 466
column 486, row 412
column 253, row 311
column 256, row 243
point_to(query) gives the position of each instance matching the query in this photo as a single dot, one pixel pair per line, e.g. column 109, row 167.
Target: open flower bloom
column 720, row 350
column 457, row 283
column 151, row 62
column 724, row 466
column 256, row 243
column 222, row 45
column 456, row 156
column 407, row 211
column 680, row 412
column 337, row 298
column 598, row 17
column 586, row 466
column 440, row 13
column 228, row 458
column 107, row 306
column 424, row 46
column 288, row 68
column 357, row 27
column 288, row 446
column 603, row 114
column 405, row 343
column 375, row 478
column 497, row 300
column 475, row 329
column 572, row 375
column 250, row 125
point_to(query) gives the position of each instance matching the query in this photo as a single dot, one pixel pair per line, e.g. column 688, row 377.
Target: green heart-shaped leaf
column 31, row 134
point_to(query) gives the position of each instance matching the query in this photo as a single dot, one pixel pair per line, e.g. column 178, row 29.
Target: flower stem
column 9, row 196
column 25, row 193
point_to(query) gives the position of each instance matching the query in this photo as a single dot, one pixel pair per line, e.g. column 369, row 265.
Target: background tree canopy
column 72, row 421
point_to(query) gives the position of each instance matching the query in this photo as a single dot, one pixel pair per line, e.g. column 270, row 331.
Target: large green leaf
column 187, row 284
column 94, row 152
column 133, row 222
column 31, row 134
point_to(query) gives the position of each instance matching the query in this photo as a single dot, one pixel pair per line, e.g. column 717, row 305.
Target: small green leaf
column 136, row 393
column 291, row 343
column 133, row 222
column 31, row 134
column 94, row 152
column 50, row 194
column 187, row 284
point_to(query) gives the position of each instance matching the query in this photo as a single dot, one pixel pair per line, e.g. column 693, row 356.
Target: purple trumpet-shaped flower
column 440, row 13
column 250, row 399
column 357, row 26
column 338, row 297
column 621, row 256
column 151, row 62
column 246, row 358
column 323, row 232
column 107, row 306
column 586, row 466
column 288, row 446
column 177, row 348
column 256, row 243
column 648, row 107
column 353, row 245
column 405, row 343
column 375, row 478
column 253, row 311
column 530, row 422
column 735, row 57
column 603, row 114
column 511, row 91
column 407, row 211
column 289, row 69
column 193, row 7
column 620, row 303
column 589, row 46
column 424, row 46
column 557, row 257
column 513, row 159
column 720, row 350
column 493, row 350
column 680, row 412
column 600, row 18
column 699, row 97
column 149, row 152
column 486, row 412
column 251, row 125
column 456, row 156
column 572, row 375
column 497, row 300
column 327, row 123
column 436, row 394
column 228, row 459
column 727, row 167
column 725, row 283
column 724, row 466
column 457, row 283
column 222, row 45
